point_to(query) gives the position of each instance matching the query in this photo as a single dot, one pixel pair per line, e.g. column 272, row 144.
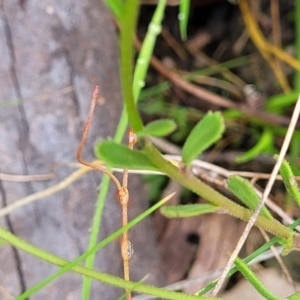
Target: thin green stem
column 87, row 282
column 184, row 9
column 146, row 51
column 127, row 30
column 106, row 278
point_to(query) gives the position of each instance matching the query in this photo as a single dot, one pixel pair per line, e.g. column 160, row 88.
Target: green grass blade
column 261, row 146
column 280, row 102
column 87, row 282
column 183, row 17
column 145, row 54
column 163, row 86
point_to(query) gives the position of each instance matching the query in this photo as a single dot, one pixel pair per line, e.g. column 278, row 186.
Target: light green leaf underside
column 158, row 128
column 120, row 156
column 203, row 135
column 242, row 188
column 188, row 210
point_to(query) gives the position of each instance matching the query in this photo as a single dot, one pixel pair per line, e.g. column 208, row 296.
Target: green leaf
column 262, row 146
column 289, row 180
column 120, row 156
column 281, row 101
column 203, row 135
column 242, row 188
column 295, row 296
column 116, row 6
column 158, row 128
column 184, row 9
column 188, row 210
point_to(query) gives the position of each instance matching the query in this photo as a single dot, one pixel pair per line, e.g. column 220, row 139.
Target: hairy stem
column 106, row 278
column 200, row 188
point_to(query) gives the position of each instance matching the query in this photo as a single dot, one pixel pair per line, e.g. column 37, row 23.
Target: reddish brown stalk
column 126, row 246
column 86, row 128
column 123, row 195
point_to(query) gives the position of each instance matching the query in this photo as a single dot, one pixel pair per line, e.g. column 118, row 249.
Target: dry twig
column 26, row 178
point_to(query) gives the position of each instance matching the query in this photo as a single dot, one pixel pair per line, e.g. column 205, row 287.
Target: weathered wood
column 47, row 46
